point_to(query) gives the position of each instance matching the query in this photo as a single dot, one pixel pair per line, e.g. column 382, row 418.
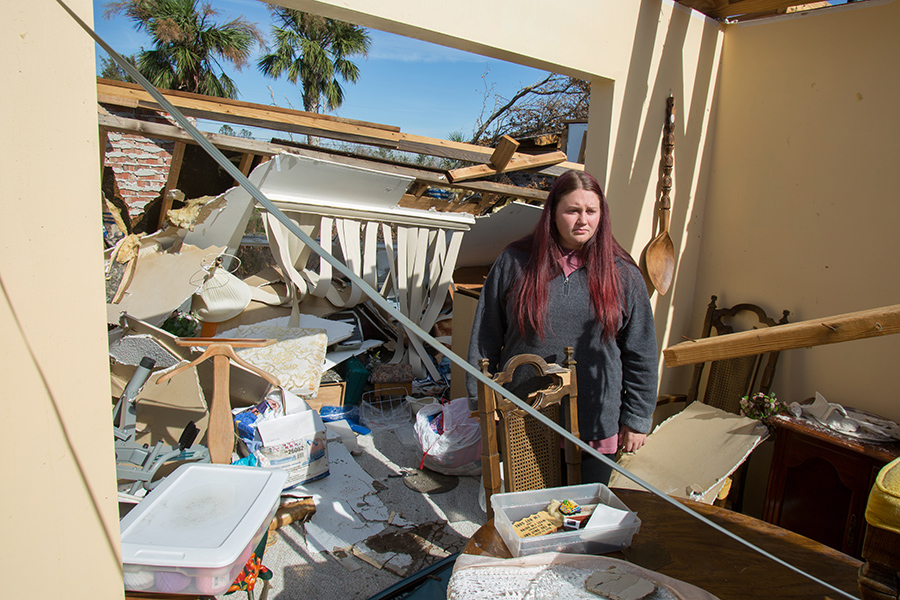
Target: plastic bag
column 450, row 439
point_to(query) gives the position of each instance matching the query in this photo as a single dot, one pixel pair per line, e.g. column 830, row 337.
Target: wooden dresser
column 819, row 482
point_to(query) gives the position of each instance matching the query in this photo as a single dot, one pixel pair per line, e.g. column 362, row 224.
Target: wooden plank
column 519, row 162
column 246, row 163
column 133, row 93
column 503, row 153
column 104, row 139
column 487, row 200
column 171, row 182
column 285, row 120
column 860, row 325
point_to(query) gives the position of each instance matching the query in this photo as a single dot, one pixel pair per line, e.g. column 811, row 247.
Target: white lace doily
column 551, row 576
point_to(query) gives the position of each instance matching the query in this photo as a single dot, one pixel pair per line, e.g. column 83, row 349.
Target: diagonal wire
column 411, row 327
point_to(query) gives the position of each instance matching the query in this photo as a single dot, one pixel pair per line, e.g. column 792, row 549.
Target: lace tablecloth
column 551, row 575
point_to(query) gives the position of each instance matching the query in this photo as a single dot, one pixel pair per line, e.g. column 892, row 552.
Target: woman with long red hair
column 569, row 283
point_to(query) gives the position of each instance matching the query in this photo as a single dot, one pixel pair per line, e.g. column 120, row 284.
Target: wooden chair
column 729, row 380
column 532, row 455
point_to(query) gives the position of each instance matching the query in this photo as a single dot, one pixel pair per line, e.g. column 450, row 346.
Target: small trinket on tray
column 569, row 508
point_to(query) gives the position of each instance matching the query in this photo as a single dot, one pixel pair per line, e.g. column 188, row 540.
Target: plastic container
column 196, row 530
column 356, row 375
column 513, row 506
column 385, row 409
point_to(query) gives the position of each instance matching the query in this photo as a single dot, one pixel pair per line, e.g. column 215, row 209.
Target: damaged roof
column 466, row 184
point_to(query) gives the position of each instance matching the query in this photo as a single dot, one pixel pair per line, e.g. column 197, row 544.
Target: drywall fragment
column 163, row 280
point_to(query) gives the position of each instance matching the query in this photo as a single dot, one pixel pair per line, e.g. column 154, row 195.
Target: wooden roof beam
column 519, row 162
column 814, row 332
column 503, row 152
column 248, row 146
column 281, row 119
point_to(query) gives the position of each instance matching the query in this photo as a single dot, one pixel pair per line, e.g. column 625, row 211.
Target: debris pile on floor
column 206, row 367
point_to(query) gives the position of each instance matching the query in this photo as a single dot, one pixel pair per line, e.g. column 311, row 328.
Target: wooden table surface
column 676, row 544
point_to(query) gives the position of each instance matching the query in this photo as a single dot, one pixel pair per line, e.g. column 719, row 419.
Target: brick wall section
column 140, row 165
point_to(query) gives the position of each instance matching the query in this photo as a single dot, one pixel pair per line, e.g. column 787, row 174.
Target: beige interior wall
column 801, row 209
column 60, row 519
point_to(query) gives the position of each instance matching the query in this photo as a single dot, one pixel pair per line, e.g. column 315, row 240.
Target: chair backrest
column 730, row 380
column 531, row 451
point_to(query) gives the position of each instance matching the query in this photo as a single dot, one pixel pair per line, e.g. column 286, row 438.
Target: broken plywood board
column 690, row 454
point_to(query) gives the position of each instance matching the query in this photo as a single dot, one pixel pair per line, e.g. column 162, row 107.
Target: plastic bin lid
column 200, row 516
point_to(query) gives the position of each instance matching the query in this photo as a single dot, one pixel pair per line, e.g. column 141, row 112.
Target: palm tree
column 189, row 45
column 314, row 50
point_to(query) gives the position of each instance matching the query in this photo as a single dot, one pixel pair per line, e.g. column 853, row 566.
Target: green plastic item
column 356, row 375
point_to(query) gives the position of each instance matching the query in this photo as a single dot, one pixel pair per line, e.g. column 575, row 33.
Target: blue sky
column 423, row 88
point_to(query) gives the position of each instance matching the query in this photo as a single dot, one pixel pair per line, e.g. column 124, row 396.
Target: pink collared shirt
column 570, row 262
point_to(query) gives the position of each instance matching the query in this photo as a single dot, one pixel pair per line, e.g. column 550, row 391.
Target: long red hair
column 529, row 294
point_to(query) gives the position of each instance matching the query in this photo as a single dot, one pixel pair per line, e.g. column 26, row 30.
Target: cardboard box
column 195, row 531
column 514, row 506
column 295, row 443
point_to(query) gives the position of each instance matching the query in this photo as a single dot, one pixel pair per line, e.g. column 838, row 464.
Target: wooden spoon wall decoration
column 660, row 253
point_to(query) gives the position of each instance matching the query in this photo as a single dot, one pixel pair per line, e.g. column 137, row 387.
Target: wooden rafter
column 171, row 182
column 266, row 149
column 280, row 119
column 503, row 153
column 519, row 162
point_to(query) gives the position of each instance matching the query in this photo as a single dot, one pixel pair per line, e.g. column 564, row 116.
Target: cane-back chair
column 723, row 383
column 531, row 451
column 729, row 380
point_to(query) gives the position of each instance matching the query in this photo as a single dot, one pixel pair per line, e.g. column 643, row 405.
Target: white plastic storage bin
column 196, row 530
column 514, row 506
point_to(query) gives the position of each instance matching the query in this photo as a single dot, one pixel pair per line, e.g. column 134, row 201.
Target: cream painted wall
column 59, row 514
column 802, row 209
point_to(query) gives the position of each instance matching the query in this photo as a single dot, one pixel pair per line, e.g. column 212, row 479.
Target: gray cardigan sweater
column 617, row 379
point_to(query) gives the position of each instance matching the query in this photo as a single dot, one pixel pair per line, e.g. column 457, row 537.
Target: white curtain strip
column 422, row 268
column 382, row 303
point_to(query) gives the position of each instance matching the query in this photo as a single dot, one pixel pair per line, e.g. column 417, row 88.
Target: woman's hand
column 630, row 440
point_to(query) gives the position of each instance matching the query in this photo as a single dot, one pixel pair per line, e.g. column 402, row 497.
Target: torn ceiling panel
column 222, row 222
column 316, row 186
column 162, row 281
column 490, row 234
